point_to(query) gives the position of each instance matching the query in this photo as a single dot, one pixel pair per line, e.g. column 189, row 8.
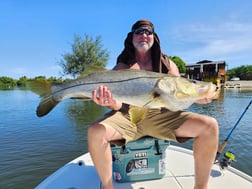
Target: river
column 32, row 148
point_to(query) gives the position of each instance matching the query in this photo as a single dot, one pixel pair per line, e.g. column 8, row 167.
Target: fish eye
column 156, row 94
column 193, row 81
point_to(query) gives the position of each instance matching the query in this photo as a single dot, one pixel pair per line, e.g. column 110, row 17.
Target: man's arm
column 173, row 69
column 120, row 66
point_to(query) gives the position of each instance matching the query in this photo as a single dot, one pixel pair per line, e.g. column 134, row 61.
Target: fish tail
column 46, row 104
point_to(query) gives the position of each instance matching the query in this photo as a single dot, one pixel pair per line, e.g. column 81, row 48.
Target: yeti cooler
column 143, row 159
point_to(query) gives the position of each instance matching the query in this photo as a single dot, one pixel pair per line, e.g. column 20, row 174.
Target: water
column 32, row 148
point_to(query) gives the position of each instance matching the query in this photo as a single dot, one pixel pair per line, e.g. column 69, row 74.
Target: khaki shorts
column 158, row 123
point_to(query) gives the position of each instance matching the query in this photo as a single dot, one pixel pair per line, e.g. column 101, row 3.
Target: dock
column 241, row 84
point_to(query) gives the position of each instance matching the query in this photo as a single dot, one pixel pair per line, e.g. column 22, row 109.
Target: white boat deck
column 179, row 175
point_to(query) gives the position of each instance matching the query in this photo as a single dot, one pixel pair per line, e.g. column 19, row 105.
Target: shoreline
column 241, row 84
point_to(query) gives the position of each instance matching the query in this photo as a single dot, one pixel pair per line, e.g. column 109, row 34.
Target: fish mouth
column 208, row 91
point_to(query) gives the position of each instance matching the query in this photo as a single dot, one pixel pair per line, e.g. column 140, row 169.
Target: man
column 142, row 51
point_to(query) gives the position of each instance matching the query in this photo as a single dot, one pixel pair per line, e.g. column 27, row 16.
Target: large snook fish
column 134, row 87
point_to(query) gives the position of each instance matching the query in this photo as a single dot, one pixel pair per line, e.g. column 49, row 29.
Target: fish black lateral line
column 134, row 87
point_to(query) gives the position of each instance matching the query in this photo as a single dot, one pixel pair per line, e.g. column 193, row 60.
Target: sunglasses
column 141, row 31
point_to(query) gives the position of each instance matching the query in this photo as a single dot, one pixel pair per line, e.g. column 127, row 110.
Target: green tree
column 243, row 72
column 7, row 83
column 231, row 73
column 87, row 55
column 179, row 62
column 22, row 81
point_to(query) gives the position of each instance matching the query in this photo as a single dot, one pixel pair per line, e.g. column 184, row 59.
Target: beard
column 143, row 47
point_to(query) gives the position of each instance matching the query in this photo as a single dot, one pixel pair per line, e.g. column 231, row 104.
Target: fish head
column 205, row 89
column 178, row 93
column 175, row 87
column 182, row 88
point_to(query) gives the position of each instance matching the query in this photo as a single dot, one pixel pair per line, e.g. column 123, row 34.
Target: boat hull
column 80, row 173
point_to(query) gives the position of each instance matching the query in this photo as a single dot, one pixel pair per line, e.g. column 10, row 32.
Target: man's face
column 143, row 39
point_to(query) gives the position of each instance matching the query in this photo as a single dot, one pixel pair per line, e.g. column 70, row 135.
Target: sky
column 34, row 35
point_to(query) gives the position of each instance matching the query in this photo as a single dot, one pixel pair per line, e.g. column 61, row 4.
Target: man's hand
column 209, row 99
column 103, row 97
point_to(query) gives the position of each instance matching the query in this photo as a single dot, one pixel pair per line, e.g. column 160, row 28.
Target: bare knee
column 96, row 132
column 212, row 126
column 215, row 124
column 198, row 125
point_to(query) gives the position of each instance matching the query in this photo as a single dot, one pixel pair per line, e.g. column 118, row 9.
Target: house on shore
column 206, row 70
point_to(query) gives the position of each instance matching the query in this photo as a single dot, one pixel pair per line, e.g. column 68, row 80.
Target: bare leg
column 99, row 148
column 205, row 131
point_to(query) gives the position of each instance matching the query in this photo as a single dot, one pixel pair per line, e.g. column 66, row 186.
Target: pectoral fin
column 137, row 114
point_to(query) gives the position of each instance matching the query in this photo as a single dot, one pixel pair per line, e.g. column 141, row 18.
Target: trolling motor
column 228, row 158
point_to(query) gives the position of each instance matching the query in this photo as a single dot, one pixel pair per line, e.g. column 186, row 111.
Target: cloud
column 55, row 68
column 30, row 71
column 203, row 41
column 20, row 71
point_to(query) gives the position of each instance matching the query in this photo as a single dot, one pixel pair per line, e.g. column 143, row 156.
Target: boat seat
column 143, row 159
